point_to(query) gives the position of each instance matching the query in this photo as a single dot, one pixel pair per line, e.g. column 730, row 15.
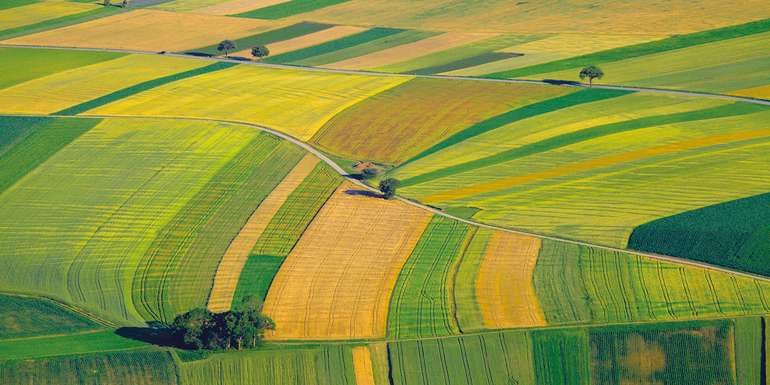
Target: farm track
column 372, row 73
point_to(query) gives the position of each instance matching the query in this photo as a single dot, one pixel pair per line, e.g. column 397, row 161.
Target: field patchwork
column 311, row 39
column 39, row 63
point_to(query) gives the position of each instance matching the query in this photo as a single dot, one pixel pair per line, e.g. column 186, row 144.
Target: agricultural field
column 177, row 211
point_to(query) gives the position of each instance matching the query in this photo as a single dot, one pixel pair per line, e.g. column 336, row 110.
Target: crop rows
column 27, row 317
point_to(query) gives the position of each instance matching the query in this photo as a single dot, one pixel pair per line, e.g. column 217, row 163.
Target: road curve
column 373, row 73
column 433, row 210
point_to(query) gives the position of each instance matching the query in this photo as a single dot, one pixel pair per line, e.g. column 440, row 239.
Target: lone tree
column 260, row 51
column 226, row 46
column 591, row 72
column 388, row 187
column 124, row 4
column 234, row 329
column 107, row 3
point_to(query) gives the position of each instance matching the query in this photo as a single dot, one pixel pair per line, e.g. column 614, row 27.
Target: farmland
column 177, row 211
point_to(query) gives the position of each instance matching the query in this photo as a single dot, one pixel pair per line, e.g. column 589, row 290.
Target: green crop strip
column 748, row 350
column 420, row 306
column 271, row 36
column 616, row 54
column 36, row 140
column 91, row 342
column 561, row 357
column 144, row 86
column 472, row 61
column 732, row 234
column 59, row 22
column 283, row 232
column 546, row 106
column 6, row 4
column 289, row 8
column 405, row 37
column 334, row 45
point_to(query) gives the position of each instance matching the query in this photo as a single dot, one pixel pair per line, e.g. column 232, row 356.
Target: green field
column 41, row 62
column 308, row 54
column 271, row 36
column 28, row 317
column 289, row 8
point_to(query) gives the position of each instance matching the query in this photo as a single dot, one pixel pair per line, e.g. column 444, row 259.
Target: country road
column 372, row 73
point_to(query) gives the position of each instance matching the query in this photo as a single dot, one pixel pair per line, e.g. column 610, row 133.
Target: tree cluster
column 236, row 329
column 388, row 187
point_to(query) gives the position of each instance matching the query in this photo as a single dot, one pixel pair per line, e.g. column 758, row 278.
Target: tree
column 591, row 72
column 260, row 51
column 226, row 46
column 125, row 4
column 107, row 3
column 388, row 187
column 191, row 328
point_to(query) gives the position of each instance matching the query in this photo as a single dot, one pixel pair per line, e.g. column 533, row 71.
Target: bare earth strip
column 410, row 51
column 504, row 287
column 337, row 282
column 307, row 40
column 231, row 265
column 362, row 365
column 236, row 6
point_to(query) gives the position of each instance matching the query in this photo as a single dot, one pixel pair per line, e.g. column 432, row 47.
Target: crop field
column 283, row 231
column 377, row 39
column 42, row 62
column 337, row 282
column 147, row 30
column 219, row 7
column 289, row 8
column 56, row 92
column 311, row 39
column 27, row 317
column 421, row 305
column 39, row 11
column 268, row 37
column 394, row 138
column 293, row 101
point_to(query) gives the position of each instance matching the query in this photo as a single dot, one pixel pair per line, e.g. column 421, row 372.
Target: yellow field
column 504, row 288
column 409, row 51
column 297, row 102
column 762, row 92
column 40, row 11
column 555, row 47
column 236, row 6
column 67, row 88
column 148, row 30
column 231, row 265
column 307, row 40
column 535, row 17
column 362, row 366
column 337, row 281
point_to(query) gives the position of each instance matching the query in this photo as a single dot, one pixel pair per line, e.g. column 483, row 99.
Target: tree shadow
column 558, row 82
column 150, row 335
column 201, row 54
column 365, row 193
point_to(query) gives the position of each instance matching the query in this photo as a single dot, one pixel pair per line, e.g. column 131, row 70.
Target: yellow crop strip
column 234, row 259
column 362, row 366
column 297, row 102
column 64, row 89
column 338, row 280
column 233, row 7
column 40, row 11
column 504, row 288
column 148, row 30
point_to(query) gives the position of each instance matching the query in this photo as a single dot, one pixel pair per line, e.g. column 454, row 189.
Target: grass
column 141, row 87
column 240, row 88
column 309, row 53
column 37, row 139
column 121, row 182
column 561, row 357
column 38, row 63
column 271, row 36
column 405, row 37
column 28, row 317
column 58, row 22
column 177, row 271
column 122, row 368
column 391, row 138
column 68, row 344
column 283, row 232
column 289, row 8
column 732, row 234
column 616, row 54
column 581, row 284
column 422, row 303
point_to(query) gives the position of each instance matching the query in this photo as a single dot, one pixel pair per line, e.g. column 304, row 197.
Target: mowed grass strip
column 141, row 87
column 30, row 316
column 177, row 271
column 269, row 37
column 289, row 8
column 560, row 102
column 77, row 227
column 296, row 102
column 35, row 141
column 298, row 56
column 283, row 232
column 616, row 54
column 388, row 41
column 61, row 90
column 595, row 286
column 422, row 303
column 370, row 130
column 336, row 283
column 504, row 287
column 732, row 234
column 42, row 62
column 117, row 368
column 237, row 253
